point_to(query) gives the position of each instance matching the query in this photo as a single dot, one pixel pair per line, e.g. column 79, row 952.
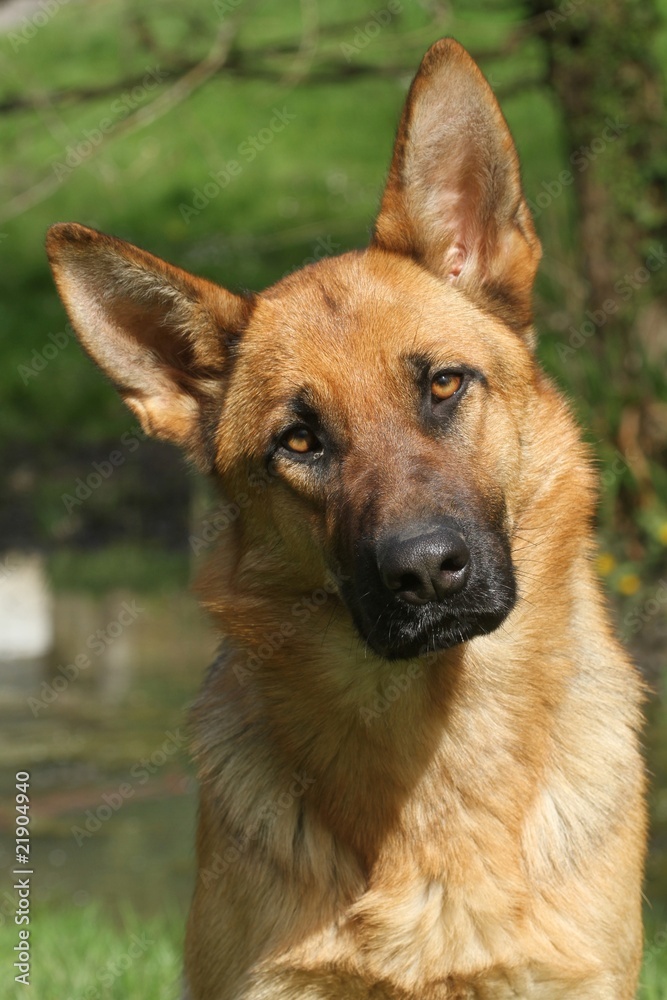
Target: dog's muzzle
column 429, row 586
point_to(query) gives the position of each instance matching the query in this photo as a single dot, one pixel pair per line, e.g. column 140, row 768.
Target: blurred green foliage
column 308, row 189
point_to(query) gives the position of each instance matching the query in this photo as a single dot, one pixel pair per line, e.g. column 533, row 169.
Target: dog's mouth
column 398, row 636
column 429, row 589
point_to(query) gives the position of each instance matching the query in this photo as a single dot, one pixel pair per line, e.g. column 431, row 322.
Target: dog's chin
column 408, row 643
column 429, row 629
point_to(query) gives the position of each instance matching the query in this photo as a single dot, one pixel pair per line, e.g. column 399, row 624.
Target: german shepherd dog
column 418, row 752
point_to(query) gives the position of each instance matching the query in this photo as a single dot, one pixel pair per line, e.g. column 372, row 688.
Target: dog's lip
column 437, row 634
column 446, row 633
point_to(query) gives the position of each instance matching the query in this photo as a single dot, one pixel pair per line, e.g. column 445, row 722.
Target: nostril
column 402, row 581
column 410, row 582
column 453, row 563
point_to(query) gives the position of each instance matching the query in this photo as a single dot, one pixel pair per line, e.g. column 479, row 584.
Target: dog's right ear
column 160, row 334
column 453, row 199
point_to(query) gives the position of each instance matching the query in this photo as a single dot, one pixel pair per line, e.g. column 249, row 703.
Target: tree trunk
column 609, row 88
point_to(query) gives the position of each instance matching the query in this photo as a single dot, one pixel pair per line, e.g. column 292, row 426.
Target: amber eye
column 445, row 385
column 300, row 440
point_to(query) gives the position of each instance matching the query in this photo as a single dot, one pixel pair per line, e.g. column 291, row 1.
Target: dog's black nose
column 424, row 565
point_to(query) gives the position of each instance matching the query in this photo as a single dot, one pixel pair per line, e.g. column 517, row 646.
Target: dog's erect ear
column 453, row 198
column 160, row 334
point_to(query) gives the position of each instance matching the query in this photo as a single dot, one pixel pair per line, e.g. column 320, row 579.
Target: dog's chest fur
column 476, row 885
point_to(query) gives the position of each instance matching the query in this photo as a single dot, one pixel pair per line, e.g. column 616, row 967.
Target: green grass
column 84, row 955
column 654, row 973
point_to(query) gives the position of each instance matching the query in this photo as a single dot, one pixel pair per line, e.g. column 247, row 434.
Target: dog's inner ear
column 160, row 334
column 453, row 198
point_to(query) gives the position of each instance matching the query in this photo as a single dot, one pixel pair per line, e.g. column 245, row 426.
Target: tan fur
column 466, row 824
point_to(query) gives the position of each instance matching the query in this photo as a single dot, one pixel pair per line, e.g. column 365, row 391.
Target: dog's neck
column 373, row 738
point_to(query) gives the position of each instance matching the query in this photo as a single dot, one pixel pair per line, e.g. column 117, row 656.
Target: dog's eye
column 300, row 441
column 444, row 385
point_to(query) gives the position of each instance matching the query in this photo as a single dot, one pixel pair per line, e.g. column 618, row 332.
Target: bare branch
column 254, row 64
column 195, row 78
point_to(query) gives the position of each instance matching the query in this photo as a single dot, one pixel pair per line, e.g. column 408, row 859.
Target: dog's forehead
column 367, row 312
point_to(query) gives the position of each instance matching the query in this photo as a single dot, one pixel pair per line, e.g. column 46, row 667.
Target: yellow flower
column 662, row 533
column 605, row 563
column 629, row 584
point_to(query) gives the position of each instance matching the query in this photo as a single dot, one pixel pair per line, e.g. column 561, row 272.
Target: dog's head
column 378, row 396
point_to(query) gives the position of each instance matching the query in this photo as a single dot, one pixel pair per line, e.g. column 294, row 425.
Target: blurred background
column 241, row 139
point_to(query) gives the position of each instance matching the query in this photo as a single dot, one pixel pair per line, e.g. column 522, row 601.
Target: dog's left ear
column 453, row 199
column 162, row 336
